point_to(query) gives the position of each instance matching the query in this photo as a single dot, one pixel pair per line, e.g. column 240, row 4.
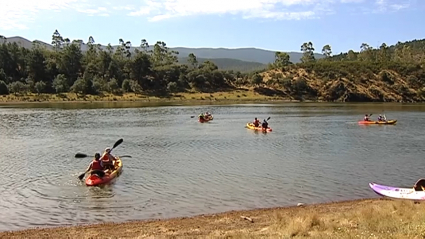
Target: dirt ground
column 259, row 223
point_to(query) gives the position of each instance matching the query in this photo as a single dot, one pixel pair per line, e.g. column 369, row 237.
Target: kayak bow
column 397, row 192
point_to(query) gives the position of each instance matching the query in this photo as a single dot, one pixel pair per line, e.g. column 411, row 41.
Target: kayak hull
column 396, row 192
column 95, row 180
column 205, row 119
column 378, row 122
column 251, row 126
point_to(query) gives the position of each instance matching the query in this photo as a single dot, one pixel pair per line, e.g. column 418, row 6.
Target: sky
column 278, row 25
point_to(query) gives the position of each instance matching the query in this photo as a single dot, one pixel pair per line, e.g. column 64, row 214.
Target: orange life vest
column 96, row 165
column 106, row 159
column 256, row 123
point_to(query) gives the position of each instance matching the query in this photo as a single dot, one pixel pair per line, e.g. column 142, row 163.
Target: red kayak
column 95, row 180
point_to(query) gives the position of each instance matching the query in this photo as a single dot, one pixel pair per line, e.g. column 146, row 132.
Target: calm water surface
column 316, row 153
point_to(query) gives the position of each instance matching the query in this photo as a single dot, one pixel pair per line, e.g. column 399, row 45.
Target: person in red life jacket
column 207, row 115
column 366, row 117
column 108, row 160
column 256, row 122
column 201, row 117
column 96, row 166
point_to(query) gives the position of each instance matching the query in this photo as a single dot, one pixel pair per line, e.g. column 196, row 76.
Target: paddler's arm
column 88, row 168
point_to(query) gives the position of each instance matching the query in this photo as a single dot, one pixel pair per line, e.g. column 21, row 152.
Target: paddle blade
column 192, row 116
column 81, row 176
column 80, row 155
column 125, row 156
column 267, row 119
column 117, row 143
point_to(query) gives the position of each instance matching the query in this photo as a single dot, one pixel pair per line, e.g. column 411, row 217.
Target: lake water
column 316, row 153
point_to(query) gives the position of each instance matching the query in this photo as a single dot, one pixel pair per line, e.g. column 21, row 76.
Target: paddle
column 79, row 155
column 193, row 116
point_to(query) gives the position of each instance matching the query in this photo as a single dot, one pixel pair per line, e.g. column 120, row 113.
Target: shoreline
column 225, row 97
column 341, row 219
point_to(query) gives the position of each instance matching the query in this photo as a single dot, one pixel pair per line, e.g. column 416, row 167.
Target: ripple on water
column 181, row 167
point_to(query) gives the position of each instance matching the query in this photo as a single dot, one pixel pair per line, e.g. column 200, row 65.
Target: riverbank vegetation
column 371, row 218
column 239, row 95
column 388, row 73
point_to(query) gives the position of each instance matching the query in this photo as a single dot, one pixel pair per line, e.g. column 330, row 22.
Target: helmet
column 108, row 150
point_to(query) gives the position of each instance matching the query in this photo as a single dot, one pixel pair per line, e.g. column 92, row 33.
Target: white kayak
column 396, row 192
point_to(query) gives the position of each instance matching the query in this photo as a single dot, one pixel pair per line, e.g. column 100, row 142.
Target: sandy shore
column 366, row 218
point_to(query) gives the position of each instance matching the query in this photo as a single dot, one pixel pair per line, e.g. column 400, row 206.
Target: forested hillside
column 390, row 73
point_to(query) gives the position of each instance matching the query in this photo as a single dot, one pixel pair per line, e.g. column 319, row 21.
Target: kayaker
column 382, row 118
column 366, row 117
column 265, row 124
column 108, row 160
column 256, row 122
column 201, row 116
column 420, row 185
column 96, row 166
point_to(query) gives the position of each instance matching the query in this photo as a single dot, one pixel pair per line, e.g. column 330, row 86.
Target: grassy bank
column 370, row 218
column 236, row 95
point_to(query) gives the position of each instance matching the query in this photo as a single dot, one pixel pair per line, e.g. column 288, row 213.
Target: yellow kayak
column 251, row 126
column 378, row 122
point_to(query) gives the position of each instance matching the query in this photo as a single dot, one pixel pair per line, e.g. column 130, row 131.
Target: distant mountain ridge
column 229, row 64
column 250, row 55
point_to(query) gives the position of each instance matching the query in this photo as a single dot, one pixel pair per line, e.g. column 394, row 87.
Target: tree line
column 67, row 68
column 156, row 70
column 412, row 52
column 407, row 59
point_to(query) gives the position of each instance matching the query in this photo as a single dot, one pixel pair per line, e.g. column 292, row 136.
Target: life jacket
column 256, row 123
column 96, row 165
column 105, row 159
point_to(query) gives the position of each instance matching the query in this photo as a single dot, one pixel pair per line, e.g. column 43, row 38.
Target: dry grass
column 236, row 95
column 351, row 219
column 71, row 97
